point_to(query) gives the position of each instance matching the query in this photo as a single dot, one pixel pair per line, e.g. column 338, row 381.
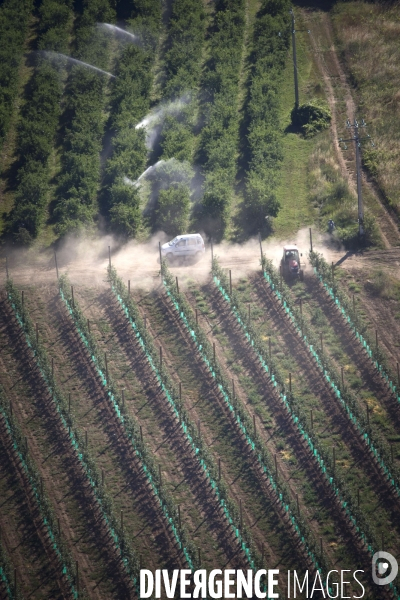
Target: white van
column 188, row 245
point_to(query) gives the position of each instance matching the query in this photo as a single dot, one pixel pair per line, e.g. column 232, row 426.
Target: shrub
column 215, row 206
column 125, row 213
column 310, row 118
column 125, row 219
column 261, row 202
column 173, row 209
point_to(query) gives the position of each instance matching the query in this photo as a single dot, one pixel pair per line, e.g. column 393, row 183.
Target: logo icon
column 381, row 561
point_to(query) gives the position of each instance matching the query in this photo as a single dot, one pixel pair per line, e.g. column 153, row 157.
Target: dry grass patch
column 369, row 39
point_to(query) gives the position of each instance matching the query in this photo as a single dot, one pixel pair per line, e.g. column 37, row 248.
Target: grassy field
column 293, row 190
column 369, row 42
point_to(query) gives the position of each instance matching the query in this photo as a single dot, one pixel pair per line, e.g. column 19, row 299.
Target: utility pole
column 296, row 83
column 357, row 141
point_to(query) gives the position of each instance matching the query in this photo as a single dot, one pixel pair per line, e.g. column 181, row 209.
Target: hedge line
column 14, row 18
column 76, row 198
column 220, row 135
column 183, row 66
column 184, row 47
column 38, row 125
column 263, row 151
column 130, row 102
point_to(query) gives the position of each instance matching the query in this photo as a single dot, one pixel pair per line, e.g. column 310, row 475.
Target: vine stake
column 55, row 260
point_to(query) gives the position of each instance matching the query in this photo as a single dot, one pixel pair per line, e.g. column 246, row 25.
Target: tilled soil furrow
column 273, row 425
column 150, row 535
column 101, row 571
column 371, row 380
column 356, row 551
column 205, row 404
column 358, row 468
column 19, row 530
column 180, row 471
column 325, row 515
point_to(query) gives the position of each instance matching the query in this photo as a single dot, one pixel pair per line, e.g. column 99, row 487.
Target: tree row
column 130, row 102
column 14, row 19
column 38, row 123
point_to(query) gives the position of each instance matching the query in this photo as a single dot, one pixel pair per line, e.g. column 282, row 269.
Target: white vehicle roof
column 186, row 235
column 290, row 247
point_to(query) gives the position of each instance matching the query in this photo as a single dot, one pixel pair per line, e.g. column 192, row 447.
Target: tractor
column 290, row 263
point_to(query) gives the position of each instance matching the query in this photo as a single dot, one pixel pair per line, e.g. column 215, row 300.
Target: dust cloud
column 85, row 260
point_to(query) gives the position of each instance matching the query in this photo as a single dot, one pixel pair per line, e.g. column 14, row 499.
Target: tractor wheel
column 301, row 275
